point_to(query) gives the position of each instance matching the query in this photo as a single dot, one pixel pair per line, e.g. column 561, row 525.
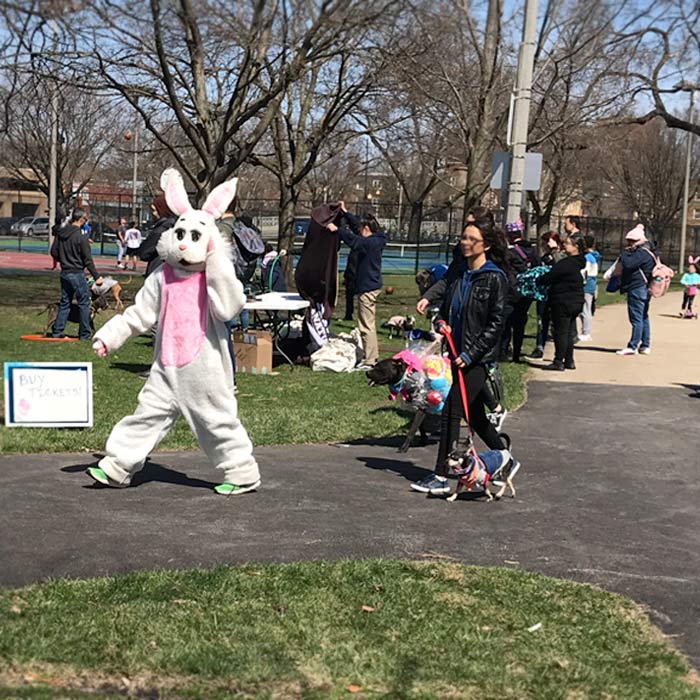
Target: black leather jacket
column 482, row 313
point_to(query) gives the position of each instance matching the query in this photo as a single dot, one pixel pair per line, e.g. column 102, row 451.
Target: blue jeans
column 638, row 312
column 73, row 284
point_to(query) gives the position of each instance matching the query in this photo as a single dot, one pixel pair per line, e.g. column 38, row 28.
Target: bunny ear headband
column 692, row 260
column 176, row 196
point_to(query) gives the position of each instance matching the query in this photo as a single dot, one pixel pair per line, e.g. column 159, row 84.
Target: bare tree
column 668, row 50
column 646, row 165
column 311, row 114
column 452, row 70
column 216, row 70
column 89, row 126
column 579, row 81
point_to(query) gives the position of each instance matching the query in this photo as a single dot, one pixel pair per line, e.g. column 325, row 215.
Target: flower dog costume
column 190, row 297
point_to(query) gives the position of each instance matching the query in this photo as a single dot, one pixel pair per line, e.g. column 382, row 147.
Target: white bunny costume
column 190, row 297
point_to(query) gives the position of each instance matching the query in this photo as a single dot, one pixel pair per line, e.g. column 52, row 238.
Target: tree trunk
column 288, row 203
column 415, row 221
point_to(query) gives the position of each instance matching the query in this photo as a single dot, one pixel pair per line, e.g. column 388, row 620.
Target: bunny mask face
column 185, row 246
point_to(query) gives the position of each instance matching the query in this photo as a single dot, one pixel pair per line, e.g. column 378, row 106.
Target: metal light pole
column 134, row 215
column 521, row 111
column 686, row 187
column 53, row 157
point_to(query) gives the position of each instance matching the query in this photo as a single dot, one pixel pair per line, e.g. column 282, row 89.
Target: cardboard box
column 253, row 351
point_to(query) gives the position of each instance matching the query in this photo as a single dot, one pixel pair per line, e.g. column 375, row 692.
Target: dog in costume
column 190, row 298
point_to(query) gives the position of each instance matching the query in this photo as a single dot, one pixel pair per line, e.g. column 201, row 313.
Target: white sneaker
column 645, row 351
column 626, row 351
column 585, row 338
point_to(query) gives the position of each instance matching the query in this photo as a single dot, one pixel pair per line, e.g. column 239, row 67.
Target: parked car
column 31, row 226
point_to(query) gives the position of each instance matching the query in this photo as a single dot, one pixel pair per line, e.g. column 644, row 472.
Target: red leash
column 462, row 391
column 462, row 385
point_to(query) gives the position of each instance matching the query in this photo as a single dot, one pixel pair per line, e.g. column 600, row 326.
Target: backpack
column 527, row 284
column 246, row 247
column 660, row 277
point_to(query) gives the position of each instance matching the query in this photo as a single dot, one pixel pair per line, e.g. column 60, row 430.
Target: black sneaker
column 537, row 354
column 555, row 366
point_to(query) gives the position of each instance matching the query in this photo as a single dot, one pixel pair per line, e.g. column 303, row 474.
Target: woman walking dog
column 473, row 313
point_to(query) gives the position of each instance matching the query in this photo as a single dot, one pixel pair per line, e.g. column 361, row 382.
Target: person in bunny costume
column 190, row 297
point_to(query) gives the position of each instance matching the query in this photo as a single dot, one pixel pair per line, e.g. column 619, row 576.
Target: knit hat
column 636, row 235
column 515, row 227
column 161, row 206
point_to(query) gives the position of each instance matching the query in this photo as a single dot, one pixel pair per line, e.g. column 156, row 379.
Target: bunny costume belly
column 191, row 374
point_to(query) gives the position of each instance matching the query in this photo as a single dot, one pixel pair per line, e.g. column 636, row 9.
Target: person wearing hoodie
column 163, row 220
column 589, row 288
column 72, row 251
column 637, row 263
column 565, row 281
column 473, row 312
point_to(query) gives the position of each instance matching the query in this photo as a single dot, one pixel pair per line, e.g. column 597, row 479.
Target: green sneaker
column 235, row 489
column 101, row 478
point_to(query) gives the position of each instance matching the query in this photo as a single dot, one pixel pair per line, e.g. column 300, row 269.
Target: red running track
column 20, row 260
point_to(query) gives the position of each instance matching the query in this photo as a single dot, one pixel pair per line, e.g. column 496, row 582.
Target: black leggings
column 564, row 332
column 452, row 413
column 516, row 321
column 688, row 301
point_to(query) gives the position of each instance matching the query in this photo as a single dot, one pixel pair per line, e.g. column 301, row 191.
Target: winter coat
column 475, row 309
column 72, row 250
column 368, row 276
column 566, row 283
column 637, row 265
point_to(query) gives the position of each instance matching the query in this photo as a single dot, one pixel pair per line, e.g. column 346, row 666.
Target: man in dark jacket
column 369, row 244
column 72, row 251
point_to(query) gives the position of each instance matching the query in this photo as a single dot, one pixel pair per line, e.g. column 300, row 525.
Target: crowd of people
column 480, row 299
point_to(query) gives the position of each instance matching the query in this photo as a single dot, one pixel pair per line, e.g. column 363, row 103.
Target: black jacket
column 72, row 250
column 517, row 263
column 566, row 283
column 147, row 250
column 481, row 314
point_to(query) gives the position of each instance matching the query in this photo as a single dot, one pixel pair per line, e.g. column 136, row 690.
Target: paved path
column 608, row 494
column 675, row 349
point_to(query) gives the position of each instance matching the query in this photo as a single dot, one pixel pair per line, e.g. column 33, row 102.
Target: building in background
column 21, row 198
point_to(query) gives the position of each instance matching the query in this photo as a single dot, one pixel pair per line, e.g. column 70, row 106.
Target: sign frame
column 13, row 421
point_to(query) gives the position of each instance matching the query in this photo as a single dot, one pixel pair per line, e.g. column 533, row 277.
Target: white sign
column 48, row 394
column 500, row 171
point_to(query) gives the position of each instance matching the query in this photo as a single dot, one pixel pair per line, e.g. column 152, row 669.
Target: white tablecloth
column 277, row 301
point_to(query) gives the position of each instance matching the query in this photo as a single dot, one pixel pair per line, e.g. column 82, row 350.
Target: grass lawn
column 366, row 629
column 335, row 406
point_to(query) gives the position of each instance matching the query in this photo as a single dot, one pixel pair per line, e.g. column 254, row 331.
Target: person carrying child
column 690, row 282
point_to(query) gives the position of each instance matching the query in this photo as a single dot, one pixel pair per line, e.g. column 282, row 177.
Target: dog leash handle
column 460, row 376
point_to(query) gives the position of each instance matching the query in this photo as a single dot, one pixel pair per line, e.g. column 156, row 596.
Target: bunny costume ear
column 174, row 189
column 220, row 197
column 692, row 260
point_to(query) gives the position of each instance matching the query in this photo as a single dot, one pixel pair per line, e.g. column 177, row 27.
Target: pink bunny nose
column 182, row 246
